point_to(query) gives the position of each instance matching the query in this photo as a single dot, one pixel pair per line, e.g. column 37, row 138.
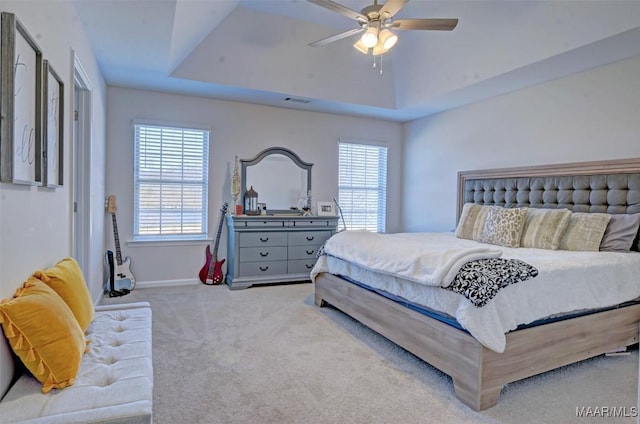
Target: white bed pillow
column 504, row 226
column 585, row 231
column 544, row 228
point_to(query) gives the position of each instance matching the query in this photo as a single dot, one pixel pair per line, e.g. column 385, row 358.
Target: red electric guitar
column 212, row 269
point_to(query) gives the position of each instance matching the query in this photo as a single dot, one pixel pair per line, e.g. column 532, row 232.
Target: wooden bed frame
column 479, row 373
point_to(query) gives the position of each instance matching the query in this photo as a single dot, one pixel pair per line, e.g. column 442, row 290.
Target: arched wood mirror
column 279, row 176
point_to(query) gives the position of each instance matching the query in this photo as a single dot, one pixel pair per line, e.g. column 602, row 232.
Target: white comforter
column 567, row 282
column 432, row 259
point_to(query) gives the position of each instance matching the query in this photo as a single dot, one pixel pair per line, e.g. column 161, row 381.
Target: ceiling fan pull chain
column 374, row 62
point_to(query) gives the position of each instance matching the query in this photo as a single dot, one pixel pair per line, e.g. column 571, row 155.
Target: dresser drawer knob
column 308, row 266
column 264, row 268
column 309, row 252
column 263, row 254
column 310, row 238
column 264, row 239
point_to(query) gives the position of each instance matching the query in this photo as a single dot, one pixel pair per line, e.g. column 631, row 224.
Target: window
column 170, row 183
column 362, row 185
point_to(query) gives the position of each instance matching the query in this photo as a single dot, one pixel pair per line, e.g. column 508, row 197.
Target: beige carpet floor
column 269, row 355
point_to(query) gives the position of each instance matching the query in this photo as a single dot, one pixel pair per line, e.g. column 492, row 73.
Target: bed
column 478, row 372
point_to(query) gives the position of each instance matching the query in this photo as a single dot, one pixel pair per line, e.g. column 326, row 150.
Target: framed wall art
column 20, row 104
column 52, row 123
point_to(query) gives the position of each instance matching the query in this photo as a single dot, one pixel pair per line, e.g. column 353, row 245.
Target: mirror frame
column 244, row 163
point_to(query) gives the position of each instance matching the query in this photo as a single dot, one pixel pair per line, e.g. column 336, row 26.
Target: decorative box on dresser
column 274, row 249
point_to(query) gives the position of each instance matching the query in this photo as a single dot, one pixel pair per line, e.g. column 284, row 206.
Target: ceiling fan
column 376, row 21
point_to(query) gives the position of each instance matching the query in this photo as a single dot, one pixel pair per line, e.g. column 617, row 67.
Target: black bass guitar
column 120, row 279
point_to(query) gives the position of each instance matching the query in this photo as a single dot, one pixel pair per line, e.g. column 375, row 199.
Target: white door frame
column 81, row 212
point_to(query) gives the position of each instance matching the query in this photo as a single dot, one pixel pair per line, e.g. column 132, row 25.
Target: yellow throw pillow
column 44, row 334
column 67, row 280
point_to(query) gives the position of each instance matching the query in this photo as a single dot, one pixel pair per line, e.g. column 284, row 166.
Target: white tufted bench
column 114, row 383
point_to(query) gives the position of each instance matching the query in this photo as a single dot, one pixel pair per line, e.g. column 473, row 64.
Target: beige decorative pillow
column 504, row 226
column 544, row 228
column 472, row 221
column 585, row 231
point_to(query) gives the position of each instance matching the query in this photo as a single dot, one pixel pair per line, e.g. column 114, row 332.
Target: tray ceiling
column 257, row 51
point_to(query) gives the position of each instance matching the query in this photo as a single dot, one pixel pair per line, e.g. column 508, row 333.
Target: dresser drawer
column 263, row 253
column 301, row 266
column 256, row 269
column 303, row 252
column 266, row 238
column 264, row 224
column 312, row 222
column 301, row 238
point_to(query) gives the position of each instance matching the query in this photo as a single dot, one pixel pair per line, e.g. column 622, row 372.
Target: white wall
column 236, row 129
column 35, row 222
column 497, row 37
column 592, row 115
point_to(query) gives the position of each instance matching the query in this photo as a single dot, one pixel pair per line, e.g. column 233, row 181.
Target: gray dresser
column 274, row 249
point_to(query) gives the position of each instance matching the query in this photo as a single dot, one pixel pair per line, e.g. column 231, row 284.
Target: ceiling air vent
column 295, row 100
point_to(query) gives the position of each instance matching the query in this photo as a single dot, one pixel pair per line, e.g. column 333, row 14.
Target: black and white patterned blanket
column 480, row 280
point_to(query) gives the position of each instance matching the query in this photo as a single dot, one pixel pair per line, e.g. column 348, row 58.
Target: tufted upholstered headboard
column 611, row 186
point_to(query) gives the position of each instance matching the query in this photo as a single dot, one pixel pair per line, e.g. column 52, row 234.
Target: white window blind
column 362, row 185
column 170, row 183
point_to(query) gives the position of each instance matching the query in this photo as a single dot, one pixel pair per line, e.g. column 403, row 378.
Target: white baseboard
column 160, row 283
column 166, row 283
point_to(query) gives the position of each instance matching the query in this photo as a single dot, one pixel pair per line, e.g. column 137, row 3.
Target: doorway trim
column 80, row 199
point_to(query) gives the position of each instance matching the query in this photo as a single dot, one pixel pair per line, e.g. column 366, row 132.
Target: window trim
column 182, row 238
column 381, row 221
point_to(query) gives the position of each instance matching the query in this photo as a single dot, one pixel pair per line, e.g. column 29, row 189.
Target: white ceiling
column 257, row 50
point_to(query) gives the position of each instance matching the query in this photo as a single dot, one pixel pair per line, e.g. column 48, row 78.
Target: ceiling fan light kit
column 375, row 20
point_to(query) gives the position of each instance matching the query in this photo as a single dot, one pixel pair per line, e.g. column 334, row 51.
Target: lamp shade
column 379, row 49
column 361, row 47
column 370, row 37
column 388, row 39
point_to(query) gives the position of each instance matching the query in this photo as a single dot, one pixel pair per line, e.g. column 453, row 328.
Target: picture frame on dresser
column 326, row 209
column 20, row 104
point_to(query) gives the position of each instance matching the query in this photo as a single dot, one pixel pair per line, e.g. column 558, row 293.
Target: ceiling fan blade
column 336, row 37
column 335, row 7
column 391, row 7
column 427, row 24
